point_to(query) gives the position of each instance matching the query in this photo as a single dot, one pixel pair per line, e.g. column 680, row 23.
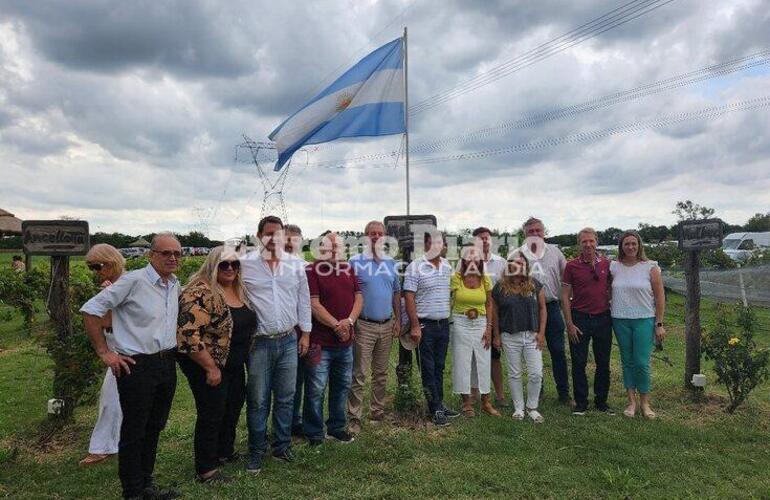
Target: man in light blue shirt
column 378, row 323
column 145, row 306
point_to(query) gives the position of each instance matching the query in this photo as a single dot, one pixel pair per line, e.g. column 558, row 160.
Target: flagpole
column 406, row 118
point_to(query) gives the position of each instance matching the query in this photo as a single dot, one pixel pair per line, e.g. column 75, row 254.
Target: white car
column 741, row 246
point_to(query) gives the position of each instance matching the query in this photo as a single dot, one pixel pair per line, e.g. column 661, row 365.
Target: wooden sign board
column 55, row 237
column 700, row 234
column 400, row 227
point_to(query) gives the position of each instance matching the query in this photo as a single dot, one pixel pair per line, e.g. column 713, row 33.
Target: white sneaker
column 518, row 415
column 536, row 416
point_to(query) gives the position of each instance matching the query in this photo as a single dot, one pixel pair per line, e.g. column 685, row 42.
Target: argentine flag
column 368, row 100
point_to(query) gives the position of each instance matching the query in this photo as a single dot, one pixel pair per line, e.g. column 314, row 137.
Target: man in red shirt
column 585, row 303
column 336, row 301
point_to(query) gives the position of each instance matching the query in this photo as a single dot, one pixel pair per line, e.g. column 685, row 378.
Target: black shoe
column 286, row 455
column 297, row 430
column 341, row 436
column 605, row 408
column 254, row 464
column 579, row 409
column 216, row 478
column 439, row 419
column 152, row 492
column 450, row 413
column 231, row 459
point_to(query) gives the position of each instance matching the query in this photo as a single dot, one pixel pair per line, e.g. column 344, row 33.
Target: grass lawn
column 692, row 450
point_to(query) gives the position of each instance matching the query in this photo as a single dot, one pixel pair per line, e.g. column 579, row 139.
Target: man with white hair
column 145, row 306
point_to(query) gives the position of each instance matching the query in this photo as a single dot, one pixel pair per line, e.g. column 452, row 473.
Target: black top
column 244, row 327
column 517, row 313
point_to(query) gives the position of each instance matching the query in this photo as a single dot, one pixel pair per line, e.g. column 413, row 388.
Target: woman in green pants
column 638, row 304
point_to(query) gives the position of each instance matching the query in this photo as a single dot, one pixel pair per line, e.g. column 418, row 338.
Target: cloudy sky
column 128, row 114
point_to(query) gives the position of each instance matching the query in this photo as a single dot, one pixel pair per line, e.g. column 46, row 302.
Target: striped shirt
column 430, row 286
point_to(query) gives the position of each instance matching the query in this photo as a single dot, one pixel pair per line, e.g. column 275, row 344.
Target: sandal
column 536, row 416
column 94, row 458
column 468, row 411
column 648, row 413
column 630, row 411
column 518, row 415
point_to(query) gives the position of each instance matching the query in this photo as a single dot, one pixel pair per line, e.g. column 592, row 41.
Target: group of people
column 269, row 329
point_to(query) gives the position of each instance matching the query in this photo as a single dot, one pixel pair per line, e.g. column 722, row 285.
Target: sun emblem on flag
column 343, row 102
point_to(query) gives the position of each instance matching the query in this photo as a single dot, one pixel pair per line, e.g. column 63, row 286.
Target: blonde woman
column 638, row 306
column 216, row 327
column 518, row 305
column 470, row 292
column 108, row 265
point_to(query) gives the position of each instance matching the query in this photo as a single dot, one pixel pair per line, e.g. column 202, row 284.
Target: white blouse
column 632, row 296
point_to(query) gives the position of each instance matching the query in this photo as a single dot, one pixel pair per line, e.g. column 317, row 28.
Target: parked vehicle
column 741, row 246
column 132, row 252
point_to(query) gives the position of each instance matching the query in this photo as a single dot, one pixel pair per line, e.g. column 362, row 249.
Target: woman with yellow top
column 471, row 331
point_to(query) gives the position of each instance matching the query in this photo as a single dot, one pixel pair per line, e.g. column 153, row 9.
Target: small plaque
column 55, row 237
column 400, row 227
column 703, row 234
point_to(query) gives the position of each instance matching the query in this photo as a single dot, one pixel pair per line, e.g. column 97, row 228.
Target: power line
column 678, row 81
column 610, row 20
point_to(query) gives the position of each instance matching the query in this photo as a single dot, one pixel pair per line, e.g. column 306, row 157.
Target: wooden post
column 692, row 331
column 59, row 310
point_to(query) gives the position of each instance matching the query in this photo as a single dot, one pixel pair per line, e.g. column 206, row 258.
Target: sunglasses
column 95, row 266
column 169, row 253
column 226, row 265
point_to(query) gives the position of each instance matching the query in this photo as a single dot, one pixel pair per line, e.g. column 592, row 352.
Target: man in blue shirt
column 378, row 323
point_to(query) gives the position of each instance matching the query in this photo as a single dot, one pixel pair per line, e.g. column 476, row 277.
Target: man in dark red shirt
column 336, row 301
column 586, row 306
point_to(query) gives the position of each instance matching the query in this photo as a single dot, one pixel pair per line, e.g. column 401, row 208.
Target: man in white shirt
column 276, row 285
column 494, row 266
column 145, row 306
column 547, row 265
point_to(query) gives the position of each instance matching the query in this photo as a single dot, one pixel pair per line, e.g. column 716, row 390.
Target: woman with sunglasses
column 470, row 291
column 518, row 305
column 638, row 305
column 107, row 264
column 216, row 326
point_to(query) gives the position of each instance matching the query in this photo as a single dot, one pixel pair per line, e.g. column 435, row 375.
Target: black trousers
column 597, row 329
column 146, row 395
column 210, row 407
column 234, row 400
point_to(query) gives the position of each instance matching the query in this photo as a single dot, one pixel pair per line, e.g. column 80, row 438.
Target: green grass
column 692, row 450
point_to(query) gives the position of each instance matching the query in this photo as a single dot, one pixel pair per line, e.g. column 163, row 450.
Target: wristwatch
column 659, row 324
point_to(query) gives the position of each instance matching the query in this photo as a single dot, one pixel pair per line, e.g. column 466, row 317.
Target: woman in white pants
column 108, row 264
column 471, row 333
column 518, row 305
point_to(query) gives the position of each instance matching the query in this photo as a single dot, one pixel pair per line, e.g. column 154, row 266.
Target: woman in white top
column 108, row 265
column 638, row 304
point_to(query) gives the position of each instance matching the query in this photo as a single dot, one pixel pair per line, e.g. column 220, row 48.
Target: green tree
column 687, row 210
column 653, row 234
column 758, row 223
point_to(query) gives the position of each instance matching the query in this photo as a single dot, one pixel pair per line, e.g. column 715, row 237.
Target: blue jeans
column 296, row 419
column 332, row 366
column 272, row 370
column 554, row 337
column 433, row 348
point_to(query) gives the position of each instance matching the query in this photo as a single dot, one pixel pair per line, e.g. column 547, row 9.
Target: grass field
column 691, row 451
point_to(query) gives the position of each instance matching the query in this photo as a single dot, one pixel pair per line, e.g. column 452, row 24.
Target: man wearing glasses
column 145, row 306
column 586, row 307
column 276, row 284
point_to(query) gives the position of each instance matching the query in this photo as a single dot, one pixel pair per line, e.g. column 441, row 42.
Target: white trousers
column 106, row 434
column 518, row 346
column 471, row 362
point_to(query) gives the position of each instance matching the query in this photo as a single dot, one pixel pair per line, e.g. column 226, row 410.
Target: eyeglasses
column 168, row 253
column 226, row 265
column 95, row 266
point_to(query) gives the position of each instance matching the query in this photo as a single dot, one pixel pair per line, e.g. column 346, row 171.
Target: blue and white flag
column 368, row 100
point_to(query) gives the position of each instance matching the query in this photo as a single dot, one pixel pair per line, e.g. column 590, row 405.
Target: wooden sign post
column 58, row 239
column 694, row 236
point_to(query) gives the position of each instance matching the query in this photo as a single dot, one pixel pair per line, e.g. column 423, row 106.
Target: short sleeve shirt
column 336, row 289
column 590, row 284
column 465, row 299
column 378, row 281
column 430, row 285
column 517, row 313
